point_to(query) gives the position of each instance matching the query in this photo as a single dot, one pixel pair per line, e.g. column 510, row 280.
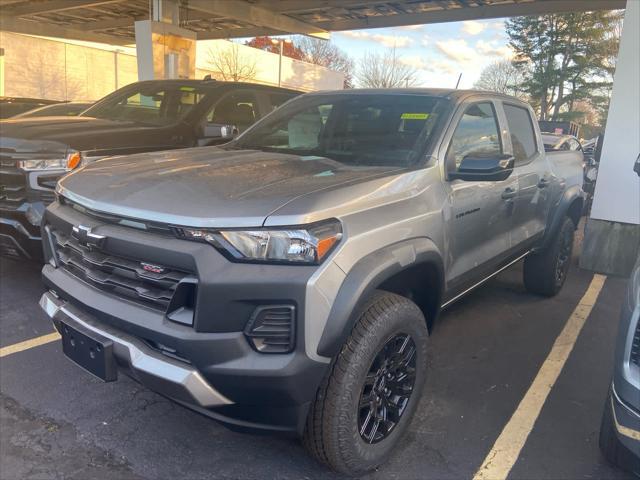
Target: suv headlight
column 296, row 245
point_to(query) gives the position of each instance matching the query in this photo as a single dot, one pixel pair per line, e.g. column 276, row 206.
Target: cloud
column 473, row 27
column 443, row 66
column 389, row 41
column 457, row 50
column 426, row 41
column 356, row 34
column 415, row 61
column 490, row 49
column 410, row 27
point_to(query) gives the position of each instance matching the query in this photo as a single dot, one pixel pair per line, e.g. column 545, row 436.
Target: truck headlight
column 305, row 245
column 69, row 162
column 48, row 164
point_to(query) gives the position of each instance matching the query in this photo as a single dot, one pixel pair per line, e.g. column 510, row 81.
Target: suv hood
column 78, row 133
column 206, row 187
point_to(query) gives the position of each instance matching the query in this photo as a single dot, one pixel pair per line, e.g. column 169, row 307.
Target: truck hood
column 79, row 133
column 206, row 187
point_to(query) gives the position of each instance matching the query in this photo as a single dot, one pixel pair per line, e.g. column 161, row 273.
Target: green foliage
column 567, row 58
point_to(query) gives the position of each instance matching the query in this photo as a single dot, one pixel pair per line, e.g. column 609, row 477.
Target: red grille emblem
column 148, row 267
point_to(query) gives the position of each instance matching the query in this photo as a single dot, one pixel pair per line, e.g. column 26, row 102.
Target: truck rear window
column 363, row 129
column 149, row 104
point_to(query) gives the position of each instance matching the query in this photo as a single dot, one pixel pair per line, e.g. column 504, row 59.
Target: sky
column 440, row 52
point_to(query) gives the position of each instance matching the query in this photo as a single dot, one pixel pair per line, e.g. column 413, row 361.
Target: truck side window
column 477, row 134
column 523, row 137
column 235, row 108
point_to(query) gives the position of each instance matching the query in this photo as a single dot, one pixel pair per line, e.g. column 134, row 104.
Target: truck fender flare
column 568, row 197
column 367, row 275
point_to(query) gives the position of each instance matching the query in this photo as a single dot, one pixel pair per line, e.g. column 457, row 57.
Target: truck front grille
column 13, row 184
column 120, row 276
column 635, row 347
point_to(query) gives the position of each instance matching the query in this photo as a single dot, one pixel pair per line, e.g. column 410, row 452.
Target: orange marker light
column 73, row 160
column 325, row 245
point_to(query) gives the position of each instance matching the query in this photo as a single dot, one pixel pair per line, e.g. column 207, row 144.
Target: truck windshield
column 155, row 104
column 356, row 129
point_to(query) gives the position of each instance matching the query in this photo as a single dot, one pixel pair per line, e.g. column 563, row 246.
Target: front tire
column 546, row 271
column 366, row 402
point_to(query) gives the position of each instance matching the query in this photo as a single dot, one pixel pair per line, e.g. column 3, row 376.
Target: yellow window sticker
column 187, row 89
column 414, row 116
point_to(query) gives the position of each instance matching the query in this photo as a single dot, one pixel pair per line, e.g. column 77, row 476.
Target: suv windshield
column 360, row 129
column 150, row 104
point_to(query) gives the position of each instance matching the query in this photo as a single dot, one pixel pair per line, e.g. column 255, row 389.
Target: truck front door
column 480, row 211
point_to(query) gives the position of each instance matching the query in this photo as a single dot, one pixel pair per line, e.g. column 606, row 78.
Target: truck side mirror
column 479, row 168
column 215, row 133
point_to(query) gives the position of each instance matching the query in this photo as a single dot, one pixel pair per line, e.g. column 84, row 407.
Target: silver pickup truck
column 287, row 280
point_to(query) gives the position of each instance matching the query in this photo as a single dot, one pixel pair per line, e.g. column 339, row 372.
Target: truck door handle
column 509, row 193
column 543, row 183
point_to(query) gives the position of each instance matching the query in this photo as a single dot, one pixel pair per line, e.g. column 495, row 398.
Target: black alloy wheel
column 387, row 388
column 564, row 256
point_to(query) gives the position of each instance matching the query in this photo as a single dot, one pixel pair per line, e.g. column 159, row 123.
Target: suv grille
column 118, row 275
column 635, row 347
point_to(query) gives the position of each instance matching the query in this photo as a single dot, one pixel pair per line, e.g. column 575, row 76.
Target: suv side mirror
column 636, row 166
column 478, row 168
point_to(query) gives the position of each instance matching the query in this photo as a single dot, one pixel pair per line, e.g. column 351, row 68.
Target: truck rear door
column 533, row 173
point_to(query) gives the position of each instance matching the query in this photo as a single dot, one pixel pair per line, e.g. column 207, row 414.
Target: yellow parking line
column 509, row 444
column 27, row 344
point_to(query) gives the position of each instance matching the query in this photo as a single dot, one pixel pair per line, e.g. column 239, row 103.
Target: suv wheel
column 368, row 398
column 546, row 271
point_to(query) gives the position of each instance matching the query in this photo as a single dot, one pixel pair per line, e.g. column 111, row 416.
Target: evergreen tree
column 567, row 58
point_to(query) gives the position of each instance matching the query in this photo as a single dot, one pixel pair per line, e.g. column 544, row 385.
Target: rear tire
column 376, row 379
column 546, row 271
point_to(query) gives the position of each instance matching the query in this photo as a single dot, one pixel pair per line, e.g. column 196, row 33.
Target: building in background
column 82, row 71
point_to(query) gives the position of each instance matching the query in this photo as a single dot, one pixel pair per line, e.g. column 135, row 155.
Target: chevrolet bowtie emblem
column 86, row 237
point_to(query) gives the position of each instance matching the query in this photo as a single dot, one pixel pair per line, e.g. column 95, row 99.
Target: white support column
column 163, row 49
column 612, row 237
column 1, row 72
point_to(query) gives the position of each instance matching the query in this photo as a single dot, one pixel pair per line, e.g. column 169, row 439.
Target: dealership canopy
column 112, row 21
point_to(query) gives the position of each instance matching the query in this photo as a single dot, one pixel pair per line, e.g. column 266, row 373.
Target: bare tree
column 502, row 77
column 327, row 54
column 231, row 64
column 385, row 70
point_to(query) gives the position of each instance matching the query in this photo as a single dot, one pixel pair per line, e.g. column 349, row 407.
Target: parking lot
column 59, row 422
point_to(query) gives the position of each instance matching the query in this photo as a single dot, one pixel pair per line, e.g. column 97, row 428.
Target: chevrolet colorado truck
column 287, row 281
column 144, row 116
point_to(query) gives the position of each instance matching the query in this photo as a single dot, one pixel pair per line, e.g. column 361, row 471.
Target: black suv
column 141, row 117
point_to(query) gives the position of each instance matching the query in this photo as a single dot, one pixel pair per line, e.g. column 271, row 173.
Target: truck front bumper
column 20, row 231
column 177, row 380
column 217, row 374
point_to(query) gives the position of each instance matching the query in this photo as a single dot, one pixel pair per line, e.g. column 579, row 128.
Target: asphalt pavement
column 59, row 422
